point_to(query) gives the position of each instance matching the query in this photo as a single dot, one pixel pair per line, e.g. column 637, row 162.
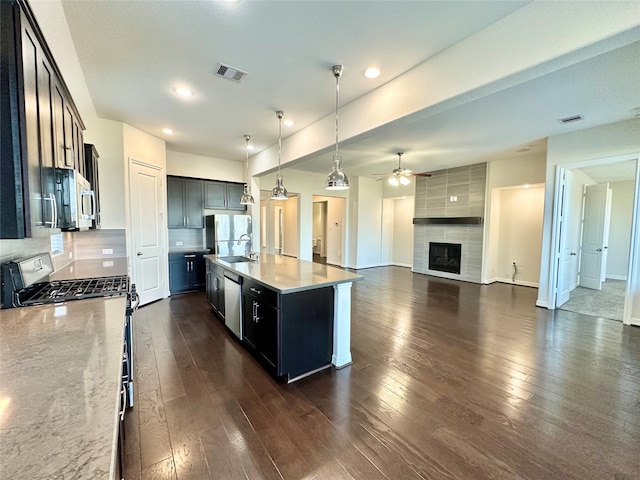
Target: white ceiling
column 133, row 53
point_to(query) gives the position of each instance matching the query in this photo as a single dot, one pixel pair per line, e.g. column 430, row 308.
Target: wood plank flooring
column 450, row 380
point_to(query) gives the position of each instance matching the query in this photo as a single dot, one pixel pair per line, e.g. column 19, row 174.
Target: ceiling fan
column 400, row 176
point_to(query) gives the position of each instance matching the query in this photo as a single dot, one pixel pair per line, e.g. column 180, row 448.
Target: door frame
column 163, row 234
column 634, row 255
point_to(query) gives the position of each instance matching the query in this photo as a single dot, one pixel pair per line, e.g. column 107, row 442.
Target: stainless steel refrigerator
column 228, row 234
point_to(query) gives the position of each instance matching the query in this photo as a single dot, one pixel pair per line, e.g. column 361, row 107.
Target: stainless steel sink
column 235, row 259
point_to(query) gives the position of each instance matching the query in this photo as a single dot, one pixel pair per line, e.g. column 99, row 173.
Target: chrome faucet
column 248, row 251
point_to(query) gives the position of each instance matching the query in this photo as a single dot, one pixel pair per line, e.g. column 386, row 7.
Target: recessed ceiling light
column 183, row 92
column 288, row 123
column 372, row 72
column 167, row 131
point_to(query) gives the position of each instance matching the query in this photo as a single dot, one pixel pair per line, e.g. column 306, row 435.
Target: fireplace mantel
column 448, row 221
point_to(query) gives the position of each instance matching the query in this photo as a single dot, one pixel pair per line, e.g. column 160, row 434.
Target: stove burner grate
column 65, row 290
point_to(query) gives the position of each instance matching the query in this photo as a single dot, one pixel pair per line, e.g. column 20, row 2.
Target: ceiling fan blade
column 420, row 174
column 382, row 174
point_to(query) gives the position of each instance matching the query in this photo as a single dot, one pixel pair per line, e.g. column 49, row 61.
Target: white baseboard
column 491, row 280
column 522, row 283
column 617, row 277
column 542, row 303
column 406, row 265
column 635, row 321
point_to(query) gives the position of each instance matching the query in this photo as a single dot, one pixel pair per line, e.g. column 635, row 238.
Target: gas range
column 23, row 284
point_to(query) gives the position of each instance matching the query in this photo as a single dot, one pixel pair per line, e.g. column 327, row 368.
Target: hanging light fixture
column 279, row 192
column 337, row 179
column 247, row 198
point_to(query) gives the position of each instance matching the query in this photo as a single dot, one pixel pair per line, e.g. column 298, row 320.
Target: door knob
column 573, row 254
column 598, row 249
column 139, row 254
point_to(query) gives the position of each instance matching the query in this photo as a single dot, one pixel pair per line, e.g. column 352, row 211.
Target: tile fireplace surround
column 455, row 192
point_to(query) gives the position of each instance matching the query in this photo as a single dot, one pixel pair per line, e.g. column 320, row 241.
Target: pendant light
column 247, row 198
column 337, row 179
column 279, row 192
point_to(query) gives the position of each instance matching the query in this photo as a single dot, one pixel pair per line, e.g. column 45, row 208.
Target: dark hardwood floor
column 449, row 380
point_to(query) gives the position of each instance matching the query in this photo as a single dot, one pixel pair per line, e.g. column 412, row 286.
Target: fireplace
column 445, row 257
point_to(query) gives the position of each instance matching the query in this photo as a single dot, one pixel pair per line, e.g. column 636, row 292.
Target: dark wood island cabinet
column 289, row 318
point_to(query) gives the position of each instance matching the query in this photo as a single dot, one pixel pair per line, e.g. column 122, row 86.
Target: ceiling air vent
column 572, row 119
column 230, row 73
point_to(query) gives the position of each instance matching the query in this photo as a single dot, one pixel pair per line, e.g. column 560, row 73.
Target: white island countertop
column 287, row 274
column 60, row 368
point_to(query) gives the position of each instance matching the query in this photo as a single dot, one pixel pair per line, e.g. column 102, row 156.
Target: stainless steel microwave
column 74, row 199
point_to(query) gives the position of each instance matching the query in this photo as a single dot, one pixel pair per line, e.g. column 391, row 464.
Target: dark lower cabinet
column 215, row 288
column 187, row 272
column 260, row 330
column 290, row 334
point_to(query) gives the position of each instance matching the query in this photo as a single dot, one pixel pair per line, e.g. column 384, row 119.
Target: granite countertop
column 60, row 369
column 91, row 268
column 287, row 274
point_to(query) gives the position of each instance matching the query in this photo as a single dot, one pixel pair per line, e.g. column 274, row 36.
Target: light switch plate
column 179, row 244
column 107, row 251
column 108, row 263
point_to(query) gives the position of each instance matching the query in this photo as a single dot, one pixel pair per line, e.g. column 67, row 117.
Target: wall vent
column 230, row 73
column 574, row 118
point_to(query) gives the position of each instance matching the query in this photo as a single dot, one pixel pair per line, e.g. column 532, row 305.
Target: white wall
column 519, row 235
column 620, row 229
column 198, row 166
column 387, row 233
column 403, row 231
column 369, row 224
column 615, row 140
column 529, row 169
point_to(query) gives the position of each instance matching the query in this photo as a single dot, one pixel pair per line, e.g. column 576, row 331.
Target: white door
column 597, row 205
column 147, row 231
column 566, row 255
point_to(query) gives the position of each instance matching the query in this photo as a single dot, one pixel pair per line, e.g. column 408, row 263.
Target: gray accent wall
column 467, row 186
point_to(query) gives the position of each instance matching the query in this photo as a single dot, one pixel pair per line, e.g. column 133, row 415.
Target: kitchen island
column 60, row 381
column 295, row 316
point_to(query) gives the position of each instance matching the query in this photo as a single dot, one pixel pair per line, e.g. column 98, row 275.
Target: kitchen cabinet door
column 215, row 195
column 234, row 194
column 184, row 203
column 198, row 272
column 175, row 203
column 250, row 331
column 178, row 276
column 267, row 321
column 193, row 204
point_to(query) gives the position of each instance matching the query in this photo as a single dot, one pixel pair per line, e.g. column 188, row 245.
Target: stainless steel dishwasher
column 233, row 303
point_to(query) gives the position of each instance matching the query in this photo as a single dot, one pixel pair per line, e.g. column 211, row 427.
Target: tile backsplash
column 184, row 238
column 76, row 246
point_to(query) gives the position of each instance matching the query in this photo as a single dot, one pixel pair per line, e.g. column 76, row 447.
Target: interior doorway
column 595, row 237
column 279, row 225
column 319, row 232
column 330, row 231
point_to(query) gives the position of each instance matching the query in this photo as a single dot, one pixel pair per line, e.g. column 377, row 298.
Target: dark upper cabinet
column 91, row 173
column 223, row 195
column 215, row 195
column 185, row 203
column 34, row 99
column 234, row 194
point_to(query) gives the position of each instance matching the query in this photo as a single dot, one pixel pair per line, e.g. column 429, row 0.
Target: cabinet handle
column 189, row 256
column 255, row 290
column 187, row 221
column 257, row 317
column 54, row 210
column 123, row 392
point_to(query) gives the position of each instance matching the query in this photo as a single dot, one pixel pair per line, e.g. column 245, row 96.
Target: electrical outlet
column 179, row 244
column 107, row 251
column 108, row 263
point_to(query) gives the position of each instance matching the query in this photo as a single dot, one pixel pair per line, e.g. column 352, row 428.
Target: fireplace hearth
column 445, row 257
